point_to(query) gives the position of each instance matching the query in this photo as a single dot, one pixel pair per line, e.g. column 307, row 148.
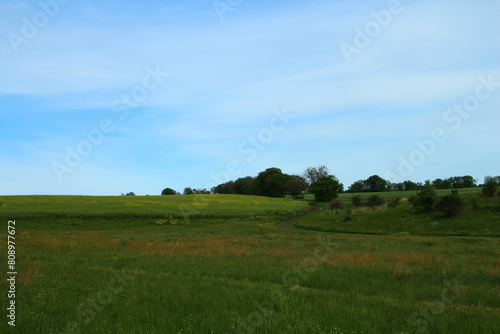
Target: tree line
column 325, row 186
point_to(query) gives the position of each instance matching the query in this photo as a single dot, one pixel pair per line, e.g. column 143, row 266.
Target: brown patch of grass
column 32, row 272
column 191, row 246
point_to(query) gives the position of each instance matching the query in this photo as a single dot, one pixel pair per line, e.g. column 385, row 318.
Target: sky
column 108, row 97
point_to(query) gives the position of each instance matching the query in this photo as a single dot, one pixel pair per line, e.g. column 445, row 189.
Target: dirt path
column 289, row 224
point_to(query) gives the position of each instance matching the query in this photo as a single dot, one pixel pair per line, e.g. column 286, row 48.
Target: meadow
column 103, row 265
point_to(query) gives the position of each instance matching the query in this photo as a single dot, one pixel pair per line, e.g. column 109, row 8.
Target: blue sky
column 191, row 93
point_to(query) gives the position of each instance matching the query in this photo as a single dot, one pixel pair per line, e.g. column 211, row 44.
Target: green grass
column 482, row 221
column 114, row 207
column 242, row 275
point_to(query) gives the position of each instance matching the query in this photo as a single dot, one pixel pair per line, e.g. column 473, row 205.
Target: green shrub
column 474, row 203
column 490, row 186
column 374, row 200
column 336, row 205
column 394, row 202
column 451, row 205
column 357, row 201
column 425, row 199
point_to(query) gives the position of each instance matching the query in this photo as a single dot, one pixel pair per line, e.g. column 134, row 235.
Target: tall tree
column 295, row 185
column 375, row 184
column 272, row 182
column 312, row 174
column 168, row 191
column 325, row 188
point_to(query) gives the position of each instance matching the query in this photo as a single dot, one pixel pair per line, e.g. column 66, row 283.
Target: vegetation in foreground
column 244, row 274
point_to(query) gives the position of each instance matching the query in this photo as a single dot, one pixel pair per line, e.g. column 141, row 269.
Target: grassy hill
column 113, row 207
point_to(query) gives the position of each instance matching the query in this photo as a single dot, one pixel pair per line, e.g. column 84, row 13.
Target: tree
column 272, row 182
column 409, row 185
column 188, row 191
column 357, row 187
column 224, row 188
column 374, row 201
column 325, row 188
column 246, row 186
column 168, row 191
column 312, row 174
column 130, row 194
column 490, row 185
column 375, row 184
column 295, row 185
column 357, row 201
column 425, row 198
column 451, row 205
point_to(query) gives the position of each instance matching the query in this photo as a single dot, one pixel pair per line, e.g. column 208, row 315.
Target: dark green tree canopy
column 272, row 182
column 168, row 191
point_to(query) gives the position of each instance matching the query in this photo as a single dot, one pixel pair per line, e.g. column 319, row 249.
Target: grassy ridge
column 113, row 207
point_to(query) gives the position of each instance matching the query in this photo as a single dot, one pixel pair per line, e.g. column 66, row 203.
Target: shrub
column 394, row 202
column 348, row 216
column 451, row 205
column 374, row 200
column 474, row 203
column 336, row 205
column 425, row 199
column 357, row 201
column 490, row 186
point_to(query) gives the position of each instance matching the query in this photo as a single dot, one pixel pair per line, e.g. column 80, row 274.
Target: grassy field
column 235, row 271
column 482, row 219
column 118, row 207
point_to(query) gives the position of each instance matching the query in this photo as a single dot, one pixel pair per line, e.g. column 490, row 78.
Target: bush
column 425, row 198
column 357, row 201
column 336, row 205
column 375, row 200
column 394, row 202
column 451, row 205
column 474, row 203
column 490, row 186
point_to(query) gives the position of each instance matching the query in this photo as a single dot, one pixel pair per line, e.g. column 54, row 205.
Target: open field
column 114, row 207
column 80, row 271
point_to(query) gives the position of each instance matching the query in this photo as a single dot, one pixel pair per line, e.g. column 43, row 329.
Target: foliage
column 375, row 184
column 372, row 184
column 313, row 174
column 451, row 205
column 357, row 201
column 246, row 186
column 224, row 188
column 454, row 182
column 272, row 182
column 490, row 185
column 394, row 202
column 336, row 205
column 325, row 188
column 169, row 191
column 374, row 201
column 295, row 186
column 357, row 187
column 425, row 198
